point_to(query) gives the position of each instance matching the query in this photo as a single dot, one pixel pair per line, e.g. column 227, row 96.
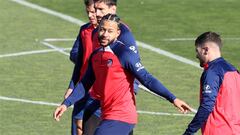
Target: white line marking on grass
column 30, row 52
column 179, row 39
column 51, row 12
column 147, row 90
column 56, row 104
column 168, row 54
column 58, row 39
column 28, row 101
column 192, row 39
column 79, row 22
column 61, row 50
column 163, row 113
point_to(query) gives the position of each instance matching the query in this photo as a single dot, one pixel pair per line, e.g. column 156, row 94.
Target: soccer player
column 79, row 55
column 103, row 7
column 111, row 72
column 219, row 110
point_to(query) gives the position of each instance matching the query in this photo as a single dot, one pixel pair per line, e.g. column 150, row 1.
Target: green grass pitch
column 45, row 76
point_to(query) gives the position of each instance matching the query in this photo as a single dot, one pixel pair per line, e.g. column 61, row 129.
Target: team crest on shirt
column 206, row 89
column 133, row 48
column 139, row 66
column 109, row 62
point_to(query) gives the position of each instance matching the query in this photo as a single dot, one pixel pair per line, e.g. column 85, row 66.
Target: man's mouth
column 99, row 18
column 103, row 40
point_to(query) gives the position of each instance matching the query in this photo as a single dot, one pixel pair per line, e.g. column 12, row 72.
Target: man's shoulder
column 221, row 67
column 124, row 27
column 124, row 48
column 85, row 26
column 125, row 52
column 127, row 37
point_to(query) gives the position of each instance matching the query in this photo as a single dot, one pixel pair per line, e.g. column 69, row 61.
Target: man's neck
column 214, row 58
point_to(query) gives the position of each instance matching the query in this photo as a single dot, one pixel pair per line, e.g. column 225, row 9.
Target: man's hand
column 59, row 112
column 182, row 106
column 68, row 92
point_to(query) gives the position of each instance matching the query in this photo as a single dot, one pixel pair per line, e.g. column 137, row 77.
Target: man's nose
column 105, row 34
column 98, row 13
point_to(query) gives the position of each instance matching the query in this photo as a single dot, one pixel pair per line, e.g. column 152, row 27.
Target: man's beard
column 109, row 42
column 202, row 64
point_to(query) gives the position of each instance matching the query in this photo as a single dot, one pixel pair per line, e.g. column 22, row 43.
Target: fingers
column 56, row 114
column 181, row 109
column 193, row 110
column 179, row 106
column 186, row 107
column 182, row 106
column 59, row 112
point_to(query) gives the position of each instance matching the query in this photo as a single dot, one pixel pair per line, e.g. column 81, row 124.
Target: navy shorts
column 92, row 107
column 114, row 127
column 78, row 109
column 80, row 106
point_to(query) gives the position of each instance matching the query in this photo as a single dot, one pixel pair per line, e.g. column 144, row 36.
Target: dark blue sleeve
column 76, row 49
column 76, row 56
column 81, row 88
column 210, row 87
column 131, row 61
column 127, row 37
column 76, row 73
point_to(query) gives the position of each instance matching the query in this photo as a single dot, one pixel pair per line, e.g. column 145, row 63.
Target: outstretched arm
column 131, row 61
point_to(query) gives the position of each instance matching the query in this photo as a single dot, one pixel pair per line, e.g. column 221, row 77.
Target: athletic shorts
column 86, row 102
column 78, row 109
column 114, row 127
column 93, row 106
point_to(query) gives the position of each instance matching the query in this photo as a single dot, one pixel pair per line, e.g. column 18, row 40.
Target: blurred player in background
column 79, row 55
column 111, row 72
column 219, row 110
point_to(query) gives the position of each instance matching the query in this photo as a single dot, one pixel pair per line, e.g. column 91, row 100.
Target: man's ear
column 113, row 9
column 118, row 32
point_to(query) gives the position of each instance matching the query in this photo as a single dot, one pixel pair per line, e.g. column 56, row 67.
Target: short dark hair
column 108, row 2
column 209, row 37
column 88, row 2
column 111, row 17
